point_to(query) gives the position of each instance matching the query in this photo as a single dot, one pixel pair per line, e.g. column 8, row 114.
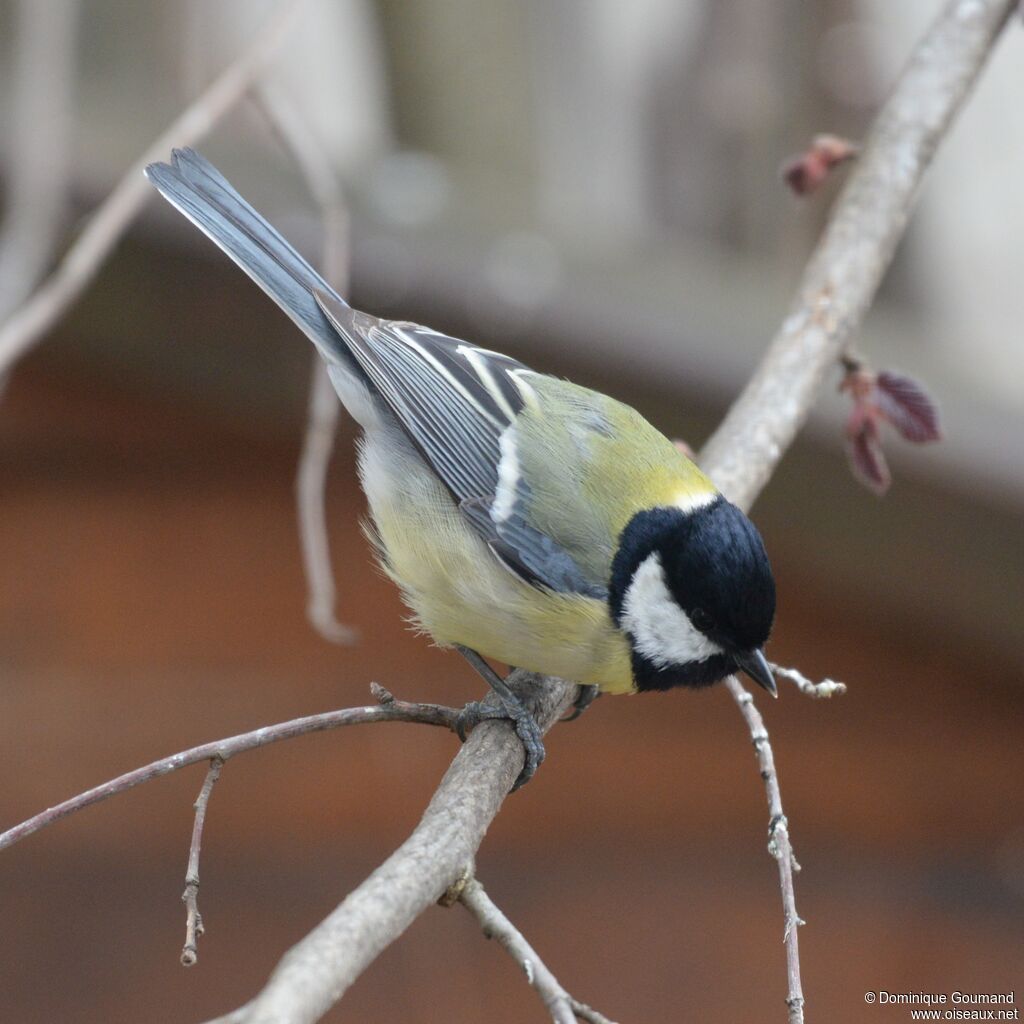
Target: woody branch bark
column 560, row 1005
column 837, row 288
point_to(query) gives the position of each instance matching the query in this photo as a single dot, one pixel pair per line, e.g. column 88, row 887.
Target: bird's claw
column 585, row 696
column 533, row 742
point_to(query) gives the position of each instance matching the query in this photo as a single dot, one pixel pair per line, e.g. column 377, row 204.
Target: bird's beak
column 755, row 664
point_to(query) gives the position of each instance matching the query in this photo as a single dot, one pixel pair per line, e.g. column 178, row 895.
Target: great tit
column 523, row 517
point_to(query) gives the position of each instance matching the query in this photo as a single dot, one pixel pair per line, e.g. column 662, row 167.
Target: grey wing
column 458, row 404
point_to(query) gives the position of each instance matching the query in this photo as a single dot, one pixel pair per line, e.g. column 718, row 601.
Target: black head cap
column 716, row 569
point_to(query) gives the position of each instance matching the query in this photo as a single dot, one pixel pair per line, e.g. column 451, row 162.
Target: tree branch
column 562, row 1007
column 108, row 223
column 389, row 710
column 863, row 230
column 314, row 974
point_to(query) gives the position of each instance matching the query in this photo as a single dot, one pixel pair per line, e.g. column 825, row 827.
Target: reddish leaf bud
column 805, row 172
column 866, row 457
column 907, row 406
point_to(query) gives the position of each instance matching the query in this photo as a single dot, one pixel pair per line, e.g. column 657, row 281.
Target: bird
column 524, row 518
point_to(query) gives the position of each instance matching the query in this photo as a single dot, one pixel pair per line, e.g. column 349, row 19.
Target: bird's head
column 693, row 591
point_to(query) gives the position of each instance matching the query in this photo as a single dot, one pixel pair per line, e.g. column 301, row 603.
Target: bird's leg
column 513, row 708
column 585, row 696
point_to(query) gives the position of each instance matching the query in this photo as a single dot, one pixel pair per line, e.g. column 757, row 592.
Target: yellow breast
column 460, row 593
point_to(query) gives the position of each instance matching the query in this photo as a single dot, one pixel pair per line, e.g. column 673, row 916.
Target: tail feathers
column 198, row 190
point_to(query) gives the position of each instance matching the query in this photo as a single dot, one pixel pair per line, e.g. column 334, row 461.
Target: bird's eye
column 702, row 620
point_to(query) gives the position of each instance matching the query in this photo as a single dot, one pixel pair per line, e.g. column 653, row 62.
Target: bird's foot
column 526, row 728
column 511, row 707
column 473, row 714
column 585, row 696
column 531, row 737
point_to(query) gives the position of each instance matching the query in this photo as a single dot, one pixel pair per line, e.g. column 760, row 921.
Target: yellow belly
column 460, row 593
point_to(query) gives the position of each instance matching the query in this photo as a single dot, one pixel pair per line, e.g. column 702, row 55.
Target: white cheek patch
column 662, row 632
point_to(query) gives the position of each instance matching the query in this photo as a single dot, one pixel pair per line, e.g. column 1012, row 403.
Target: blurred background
column 593, row 187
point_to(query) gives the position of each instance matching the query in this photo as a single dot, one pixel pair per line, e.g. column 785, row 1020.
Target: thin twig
column 562, row 1007
column 116, row 212
column 778, row 844
column 193, row 919
column 389, row 710
column 38, row 143
column 819, row 691
column 324, row 408
column 588, row 1014
column 863, row 230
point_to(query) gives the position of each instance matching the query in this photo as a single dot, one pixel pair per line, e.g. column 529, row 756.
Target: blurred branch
column 103, row 229
column 863, row 230
column 322, row 415
column 38, row 157
column 193, row 919
column 314, row 974
column 324, row 408
column 778, row 844
column 388, row 710
column 562, row 1007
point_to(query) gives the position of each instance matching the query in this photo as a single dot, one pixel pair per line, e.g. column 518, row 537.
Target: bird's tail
column 195, row 187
